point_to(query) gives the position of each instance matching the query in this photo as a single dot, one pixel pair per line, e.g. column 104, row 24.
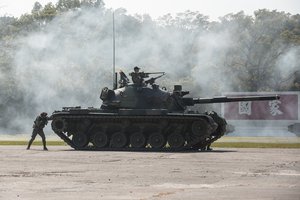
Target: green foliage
column 21, row 142
column 188, row 20
column 65, row 5
column 48, row 13
column 255, row 145
column 257, row 46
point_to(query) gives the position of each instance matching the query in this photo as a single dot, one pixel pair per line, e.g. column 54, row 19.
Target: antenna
column 114, row 55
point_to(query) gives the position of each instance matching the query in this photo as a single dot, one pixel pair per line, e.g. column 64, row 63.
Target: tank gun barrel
column 224, row 99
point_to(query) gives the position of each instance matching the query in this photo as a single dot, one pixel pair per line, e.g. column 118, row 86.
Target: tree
column 37, row 7
column 65, row 5
column 92, row 3
column 258, row 44
column 48, row 13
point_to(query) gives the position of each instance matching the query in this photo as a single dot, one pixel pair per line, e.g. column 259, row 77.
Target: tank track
column 71, row 124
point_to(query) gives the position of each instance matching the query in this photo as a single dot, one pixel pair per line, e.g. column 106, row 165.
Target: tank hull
column 143, row 130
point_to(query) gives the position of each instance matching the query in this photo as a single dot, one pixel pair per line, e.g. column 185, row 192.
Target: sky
column 156, row 8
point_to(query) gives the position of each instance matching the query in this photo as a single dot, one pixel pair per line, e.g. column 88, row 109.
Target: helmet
column 43, row 114
column 136, row 68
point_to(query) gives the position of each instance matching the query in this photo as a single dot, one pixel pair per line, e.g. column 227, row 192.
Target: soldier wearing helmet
column 39, row 123
column 138, row 77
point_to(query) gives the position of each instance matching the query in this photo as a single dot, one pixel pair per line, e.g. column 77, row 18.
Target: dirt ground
column 62, row 173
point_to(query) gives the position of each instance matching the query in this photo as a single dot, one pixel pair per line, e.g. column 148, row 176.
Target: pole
column 114, row 54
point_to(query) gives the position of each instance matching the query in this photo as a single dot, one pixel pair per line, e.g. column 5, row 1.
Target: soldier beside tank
column 39, row 123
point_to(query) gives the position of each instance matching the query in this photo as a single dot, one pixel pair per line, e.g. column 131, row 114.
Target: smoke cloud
column 288, row 63
column 69, row 61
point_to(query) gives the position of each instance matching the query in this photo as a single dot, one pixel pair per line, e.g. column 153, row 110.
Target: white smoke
column 208, row 74
column 288, row 63
column 70, row 60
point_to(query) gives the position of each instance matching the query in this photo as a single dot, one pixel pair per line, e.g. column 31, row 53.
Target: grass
column 235, row 143
column 255, row 145
column 17, row 142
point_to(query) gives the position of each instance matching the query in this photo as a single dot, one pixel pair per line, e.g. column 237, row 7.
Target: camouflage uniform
column 38, row 125
column 138, row 77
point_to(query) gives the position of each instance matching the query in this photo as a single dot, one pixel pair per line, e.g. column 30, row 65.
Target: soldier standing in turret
column 40, row 122
column 138, row 77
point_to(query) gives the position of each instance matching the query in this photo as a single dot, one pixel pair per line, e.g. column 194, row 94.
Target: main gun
column 224, row 99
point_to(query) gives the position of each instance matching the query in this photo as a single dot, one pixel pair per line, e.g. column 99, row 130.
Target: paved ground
column 62, row 173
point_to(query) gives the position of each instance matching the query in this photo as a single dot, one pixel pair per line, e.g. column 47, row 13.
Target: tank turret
column 140, row 94
column 138, row 114
column 145, row 94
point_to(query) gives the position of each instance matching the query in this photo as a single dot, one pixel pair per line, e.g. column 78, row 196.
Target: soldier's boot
column 44, row 144
column 29, row 144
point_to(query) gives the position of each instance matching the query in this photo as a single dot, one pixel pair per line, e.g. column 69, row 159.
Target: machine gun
column 152, row 80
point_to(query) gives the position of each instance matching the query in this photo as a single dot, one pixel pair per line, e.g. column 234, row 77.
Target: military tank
column 139, row 115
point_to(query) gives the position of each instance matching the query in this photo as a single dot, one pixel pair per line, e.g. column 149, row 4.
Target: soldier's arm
column 38, row 121
column 45, row 120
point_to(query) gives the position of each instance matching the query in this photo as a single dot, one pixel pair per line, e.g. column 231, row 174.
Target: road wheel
column 80, row 140
column 176, row 140
column 200, row 129
column 138, row 140
column 118, row 140
column 100, row 139
column 157, row 140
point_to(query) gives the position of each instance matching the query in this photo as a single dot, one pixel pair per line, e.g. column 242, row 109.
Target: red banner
column 286, row 108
